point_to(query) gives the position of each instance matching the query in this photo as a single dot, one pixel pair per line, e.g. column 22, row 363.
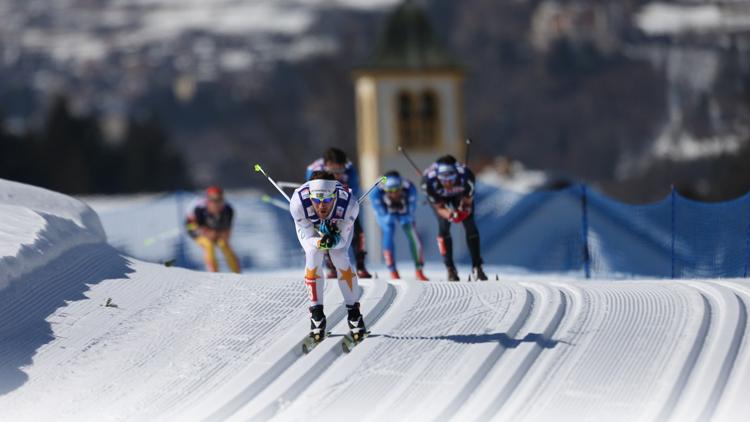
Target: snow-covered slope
column 37, row 225
column 182, row 345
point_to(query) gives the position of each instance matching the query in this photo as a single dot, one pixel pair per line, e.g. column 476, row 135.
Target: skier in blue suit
column 395, row 202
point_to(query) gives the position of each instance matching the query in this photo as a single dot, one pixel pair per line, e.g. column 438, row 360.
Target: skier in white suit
column 324, row 212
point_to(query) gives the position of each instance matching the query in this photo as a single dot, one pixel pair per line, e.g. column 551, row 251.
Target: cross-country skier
column 324, row 213
column 394, row 202
column 209, row 223
column 335, row 161
column 450, row 188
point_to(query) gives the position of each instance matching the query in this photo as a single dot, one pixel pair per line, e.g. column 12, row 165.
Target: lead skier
column 324, row 213
column 335, row 162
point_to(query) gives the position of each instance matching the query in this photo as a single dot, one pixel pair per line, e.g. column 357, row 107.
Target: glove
column 459, row 216
column 192, row 229
column 328, row 227
column 328, row 241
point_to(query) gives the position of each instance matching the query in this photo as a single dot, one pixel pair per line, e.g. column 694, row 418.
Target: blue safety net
column 576, row 231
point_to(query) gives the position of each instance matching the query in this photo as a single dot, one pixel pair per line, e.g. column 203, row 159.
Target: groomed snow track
column 183, row 345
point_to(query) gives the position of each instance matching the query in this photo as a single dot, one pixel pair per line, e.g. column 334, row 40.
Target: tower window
column 418, row 119
column 406, row 132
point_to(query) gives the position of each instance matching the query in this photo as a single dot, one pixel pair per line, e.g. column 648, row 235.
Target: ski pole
column 361, row 199
column 275, row 202
column 259, row 169
column 161, row 236
column 466, row 155
column 293, row 185
column 413, row 164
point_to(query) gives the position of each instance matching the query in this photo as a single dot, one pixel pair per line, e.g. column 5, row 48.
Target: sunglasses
column 322, row 197
column 449, row 177
column 392, row 190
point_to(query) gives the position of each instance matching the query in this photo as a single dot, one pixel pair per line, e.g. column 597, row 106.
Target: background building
column 409, row 95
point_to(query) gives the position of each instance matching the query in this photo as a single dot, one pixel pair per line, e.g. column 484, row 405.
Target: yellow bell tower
column 409, row 95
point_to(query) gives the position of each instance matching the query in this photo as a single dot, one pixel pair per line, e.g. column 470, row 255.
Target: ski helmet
column 214, row 192
column 392, row 182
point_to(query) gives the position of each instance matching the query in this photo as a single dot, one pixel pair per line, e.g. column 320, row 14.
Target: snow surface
column 37, row 226
column 179, row 345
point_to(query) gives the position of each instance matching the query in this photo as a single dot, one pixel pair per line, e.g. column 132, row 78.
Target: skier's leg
column 349, row 285
column 445, row 241
column 331, row 273
column 348, row 281
column 316, row 287
column 472, row 240
column 359, row 249
column 388, row 228
column 229, row 254
column 313, row 280
column 415, row 244
column 209, row 254
column 445, row 244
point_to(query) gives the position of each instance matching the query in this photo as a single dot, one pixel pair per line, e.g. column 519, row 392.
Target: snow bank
column 37, row 226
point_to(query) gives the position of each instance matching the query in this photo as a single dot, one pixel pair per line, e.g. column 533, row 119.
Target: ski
column 349, row 342
column 308, row 344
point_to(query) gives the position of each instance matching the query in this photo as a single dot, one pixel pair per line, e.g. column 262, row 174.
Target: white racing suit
column 307, row 222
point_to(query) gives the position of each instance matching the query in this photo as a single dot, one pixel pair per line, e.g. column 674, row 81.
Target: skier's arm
column 346, row 226
column 377, row 202
column 306, row 233
column 468, row 199
column 437, row 203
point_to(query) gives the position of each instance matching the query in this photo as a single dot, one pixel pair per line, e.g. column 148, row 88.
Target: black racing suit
column 438, row 194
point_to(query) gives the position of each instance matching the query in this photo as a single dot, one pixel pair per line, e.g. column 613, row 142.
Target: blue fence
column 577, row 231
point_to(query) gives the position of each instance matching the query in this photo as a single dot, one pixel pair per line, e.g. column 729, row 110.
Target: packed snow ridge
column 89, row 334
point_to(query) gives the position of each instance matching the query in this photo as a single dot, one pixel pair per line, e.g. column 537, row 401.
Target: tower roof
column 410, row 43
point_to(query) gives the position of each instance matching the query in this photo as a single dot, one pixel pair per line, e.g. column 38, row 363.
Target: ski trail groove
column 545, row 310
column 621, row 358
column 710, row 375
column 480, row 373
column 305, row 370
column 536, row 361
column 282, row 355
column 690, row 362
column 734, row 405
column 419, row 353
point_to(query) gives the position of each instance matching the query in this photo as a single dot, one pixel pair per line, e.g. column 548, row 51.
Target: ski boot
column 356, row 323
column 420, row 276
column 452, row 274
column 317, row 323
column 478, row 274
column 395, row 275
